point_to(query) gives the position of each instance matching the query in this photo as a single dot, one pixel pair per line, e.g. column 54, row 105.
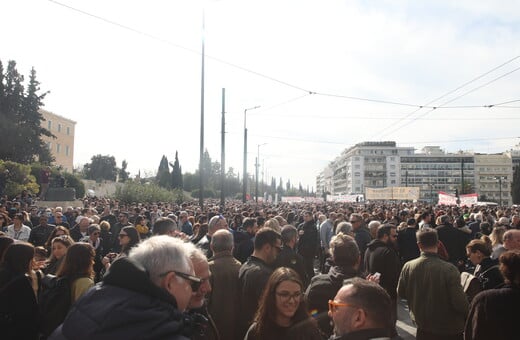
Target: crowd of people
column 110, row 270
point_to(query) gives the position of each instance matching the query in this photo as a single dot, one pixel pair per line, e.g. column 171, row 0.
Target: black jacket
column 382, row 258
column 252, row 278
column 488, row 276
column 290, row 259
column 308, row 242
column 323, row 288
column 455, row 242
column 494, row 315
column 126, row 305
column 407, row 242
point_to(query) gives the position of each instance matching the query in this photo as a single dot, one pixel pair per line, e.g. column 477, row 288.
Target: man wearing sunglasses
column 360, row 311
column 142, row 296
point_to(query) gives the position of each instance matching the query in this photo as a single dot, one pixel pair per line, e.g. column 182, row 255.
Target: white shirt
column 21, row 235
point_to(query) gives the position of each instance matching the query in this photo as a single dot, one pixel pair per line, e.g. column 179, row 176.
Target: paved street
column 405, row 326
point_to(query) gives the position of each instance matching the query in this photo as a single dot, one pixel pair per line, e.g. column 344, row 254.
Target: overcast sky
column 132, row 80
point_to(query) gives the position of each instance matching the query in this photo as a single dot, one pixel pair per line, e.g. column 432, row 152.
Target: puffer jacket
column 125, row 305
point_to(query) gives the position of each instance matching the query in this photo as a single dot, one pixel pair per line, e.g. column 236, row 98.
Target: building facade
column 383, row 164
column 61, row 147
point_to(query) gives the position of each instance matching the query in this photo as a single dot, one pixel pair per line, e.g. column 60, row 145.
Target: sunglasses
column 333, row 305
column 195, row 281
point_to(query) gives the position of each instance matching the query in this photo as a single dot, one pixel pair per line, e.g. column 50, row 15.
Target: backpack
column 54, row 302
column 471, row 284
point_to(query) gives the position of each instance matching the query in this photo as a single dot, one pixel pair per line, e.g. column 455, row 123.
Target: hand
column 373, row 278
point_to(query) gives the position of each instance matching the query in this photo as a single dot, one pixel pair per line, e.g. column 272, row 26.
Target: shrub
column 19, row 179
column 136, row 192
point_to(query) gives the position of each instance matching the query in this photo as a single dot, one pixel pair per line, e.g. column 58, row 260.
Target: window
column 49, row 145
column 49, row 125
column 392, row 174
column 59, row 127
column 357, row 174
column 392, row 181
column 68, row 130
column 66, row 150
column 58, row 148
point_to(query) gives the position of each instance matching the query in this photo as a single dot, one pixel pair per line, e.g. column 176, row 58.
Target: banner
column 465, row 200
column 345, row 198
column 393, row 193
column 292, row 199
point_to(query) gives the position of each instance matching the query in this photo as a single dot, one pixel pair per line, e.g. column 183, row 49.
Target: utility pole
column 201, row 182
column 244, row 189
column 223, row 152
column 462, row 191
column 406, row 178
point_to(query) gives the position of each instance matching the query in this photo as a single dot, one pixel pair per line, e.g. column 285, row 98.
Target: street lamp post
column 499, row 188
column 257, row 166
column 244, row 189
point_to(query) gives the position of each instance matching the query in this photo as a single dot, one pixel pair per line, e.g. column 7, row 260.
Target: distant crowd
column 109, row 270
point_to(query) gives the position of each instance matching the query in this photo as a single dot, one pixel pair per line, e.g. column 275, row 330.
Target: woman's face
column 124, row 239
column 475, row 257
column 59, row 232
column 58, row 250
column 288, row 297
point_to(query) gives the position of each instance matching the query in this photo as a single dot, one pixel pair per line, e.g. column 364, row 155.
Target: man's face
column 84, row 223
column 356, row 222
column 122, row 218
column 43, row 221
column 179, row 288
column 307, row 217
column 341, row 312
column 201, row 270
column 392, row 238
column 512, row 240
column 273, row 251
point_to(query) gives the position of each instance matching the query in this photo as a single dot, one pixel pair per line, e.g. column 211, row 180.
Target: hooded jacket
column 126, row 305
column 382, row 258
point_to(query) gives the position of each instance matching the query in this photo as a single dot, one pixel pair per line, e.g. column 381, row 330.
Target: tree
column 21, row 128
column 176, row 175
column 123, row 174
column 515, row 185
column 101, row 168
column 163, row 174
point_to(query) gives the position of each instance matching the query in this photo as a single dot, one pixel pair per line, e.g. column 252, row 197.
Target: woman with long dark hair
column 128, row 238
column 282, row 313
column 78, row 267
column 18, row 305
column 59, row 247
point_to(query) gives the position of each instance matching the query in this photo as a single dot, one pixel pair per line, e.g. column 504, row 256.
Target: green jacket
column 435, row 297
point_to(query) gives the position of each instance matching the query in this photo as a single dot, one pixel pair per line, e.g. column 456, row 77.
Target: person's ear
column 359, row 318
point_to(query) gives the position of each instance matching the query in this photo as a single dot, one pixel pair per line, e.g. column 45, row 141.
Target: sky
column 326, row 75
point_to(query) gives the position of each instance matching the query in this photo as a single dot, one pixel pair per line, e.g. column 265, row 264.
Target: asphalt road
column 405, row 325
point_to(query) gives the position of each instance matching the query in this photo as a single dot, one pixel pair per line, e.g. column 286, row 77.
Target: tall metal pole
column 223, row 151
column 257, row 168
column 500, row 189
column 244, row 189
column 201, row 156
column 462, row 191
column 406, row 178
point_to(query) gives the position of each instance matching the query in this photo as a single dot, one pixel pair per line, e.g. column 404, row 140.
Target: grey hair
column 222, row 240
column 195, row 254
column 374, row 225
column 212, row 224
column 159, row 254
column 344, row 227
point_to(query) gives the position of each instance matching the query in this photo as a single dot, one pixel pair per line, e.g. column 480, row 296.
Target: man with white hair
column 216, row 223
column 142, row 296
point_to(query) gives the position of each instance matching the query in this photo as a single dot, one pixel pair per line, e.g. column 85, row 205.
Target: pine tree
column 163, row 173
column 123, row 174
column 176, row 174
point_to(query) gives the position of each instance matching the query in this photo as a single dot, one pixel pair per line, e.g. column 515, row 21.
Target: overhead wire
column 307, row 91
column 452, row 91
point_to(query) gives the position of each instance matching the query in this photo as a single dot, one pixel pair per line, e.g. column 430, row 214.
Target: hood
column 340, row 273
column 128, row 274
column 376, row 244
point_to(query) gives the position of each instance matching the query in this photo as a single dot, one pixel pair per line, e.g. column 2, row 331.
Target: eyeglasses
column 96, row 234
column 333, row 305
column 195, row 281
column 122, row 235
column 287, row 296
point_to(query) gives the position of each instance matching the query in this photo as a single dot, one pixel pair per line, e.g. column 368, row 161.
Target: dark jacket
column 323, row 288
column 302, row 330
column 126, row 305
column 18, row 307
column 455, row 242
column 363, row 238
column 366, row 334
column 40, row 234
column 203, row 245
column 244, row 245
column 76, row 234
column 407, row 243
column 489, row 274
column 494, row 315
column 223, row 300
column 382, row 258
column 289, row 258
column 252, row 279
column 308, row 242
